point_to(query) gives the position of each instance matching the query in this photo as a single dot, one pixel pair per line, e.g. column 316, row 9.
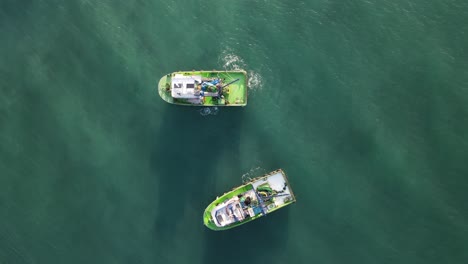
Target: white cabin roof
column 184, row 86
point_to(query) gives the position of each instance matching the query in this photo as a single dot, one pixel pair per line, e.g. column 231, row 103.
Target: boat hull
column 235, row 94
column 274, row 178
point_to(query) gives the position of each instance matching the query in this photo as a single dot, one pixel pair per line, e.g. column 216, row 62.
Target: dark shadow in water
column 185, row 159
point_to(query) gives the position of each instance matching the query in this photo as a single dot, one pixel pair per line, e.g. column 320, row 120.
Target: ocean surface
column 364, row 104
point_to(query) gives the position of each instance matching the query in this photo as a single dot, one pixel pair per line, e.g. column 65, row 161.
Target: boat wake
column 255, row 81
column 252, row 173
column 231, row 61
column 209, row 111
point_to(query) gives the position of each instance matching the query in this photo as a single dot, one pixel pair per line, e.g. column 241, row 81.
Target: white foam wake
column 253, row 173
column 254, row 81
column 231, row 61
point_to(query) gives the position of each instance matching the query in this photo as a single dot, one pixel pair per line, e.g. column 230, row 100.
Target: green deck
column 208, row 221
column 235, row 94
column 207, row 214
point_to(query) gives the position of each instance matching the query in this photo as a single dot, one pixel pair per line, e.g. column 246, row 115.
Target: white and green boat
column 204, row 88
column 254, row 199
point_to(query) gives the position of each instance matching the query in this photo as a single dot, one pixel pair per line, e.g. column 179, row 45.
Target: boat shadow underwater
column 186, row 159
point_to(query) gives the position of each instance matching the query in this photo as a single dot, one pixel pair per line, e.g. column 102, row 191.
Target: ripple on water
column 231, row 61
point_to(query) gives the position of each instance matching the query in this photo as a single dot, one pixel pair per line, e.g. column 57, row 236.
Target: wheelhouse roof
column 183, row 86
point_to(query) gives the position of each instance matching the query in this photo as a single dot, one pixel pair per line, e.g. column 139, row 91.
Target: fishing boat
column 204, row 88
column 254, row 199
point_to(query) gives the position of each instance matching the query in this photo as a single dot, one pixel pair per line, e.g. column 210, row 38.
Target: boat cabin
column 185, row 87
column 236, row 209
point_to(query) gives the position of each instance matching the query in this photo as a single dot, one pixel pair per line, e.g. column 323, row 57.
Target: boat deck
column 235, row 94
column 252, row 200
column 277, row 181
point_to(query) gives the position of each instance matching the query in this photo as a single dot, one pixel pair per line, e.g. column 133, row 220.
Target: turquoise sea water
column 362, row 103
